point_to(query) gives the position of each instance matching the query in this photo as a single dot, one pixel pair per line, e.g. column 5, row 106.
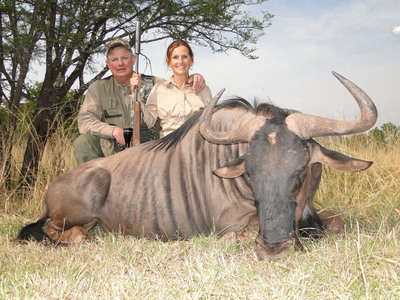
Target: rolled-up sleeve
column 90, row 116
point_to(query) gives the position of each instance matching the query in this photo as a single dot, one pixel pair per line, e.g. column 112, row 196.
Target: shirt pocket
column 113, row 117
column 113, row 113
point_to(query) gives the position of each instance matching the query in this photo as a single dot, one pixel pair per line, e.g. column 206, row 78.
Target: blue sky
column 307, row 40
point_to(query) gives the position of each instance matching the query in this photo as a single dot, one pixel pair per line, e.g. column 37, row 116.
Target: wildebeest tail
column 34, row 232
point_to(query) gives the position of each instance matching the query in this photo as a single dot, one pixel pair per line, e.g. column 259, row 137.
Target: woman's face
column 180, row 61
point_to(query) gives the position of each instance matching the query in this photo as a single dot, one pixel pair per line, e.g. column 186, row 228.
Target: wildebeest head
column 280, row 156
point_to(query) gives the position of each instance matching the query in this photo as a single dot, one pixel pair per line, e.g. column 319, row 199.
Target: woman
column 174, row 101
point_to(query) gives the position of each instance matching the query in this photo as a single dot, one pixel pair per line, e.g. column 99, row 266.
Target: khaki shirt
column 107, row 105
column 173, row 105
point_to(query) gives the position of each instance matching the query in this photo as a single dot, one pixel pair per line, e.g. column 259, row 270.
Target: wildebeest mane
column 259, row 108
column 174, row 137
column 269, row 110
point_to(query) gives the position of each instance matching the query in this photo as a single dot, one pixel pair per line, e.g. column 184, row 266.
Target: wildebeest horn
column 308, row 126
column 242, row 134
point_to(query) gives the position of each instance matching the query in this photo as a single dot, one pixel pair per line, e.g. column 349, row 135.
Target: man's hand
column 135, row 81
column 197, row 82
column 118, row 135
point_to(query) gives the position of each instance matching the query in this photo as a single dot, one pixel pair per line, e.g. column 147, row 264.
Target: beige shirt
column 173, row 105
column 107, row 105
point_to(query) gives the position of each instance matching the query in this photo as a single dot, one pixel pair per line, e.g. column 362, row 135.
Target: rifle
column 136, row 103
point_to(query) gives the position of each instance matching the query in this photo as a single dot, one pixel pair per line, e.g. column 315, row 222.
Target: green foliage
column 64, row 37
column 377, row 135
column 392, row 132
column 388, row 133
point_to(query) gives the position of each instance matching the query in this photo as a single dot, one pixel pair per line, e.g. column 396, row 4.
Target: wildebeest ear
column 232, row 169
column 337, row 160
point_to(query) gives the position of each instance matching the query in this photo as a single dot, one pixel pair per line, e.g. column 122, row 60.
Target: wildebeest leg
column 75, row 234
column 332, row 222
column 251, row 225
column 73, row 203
column 233, row 236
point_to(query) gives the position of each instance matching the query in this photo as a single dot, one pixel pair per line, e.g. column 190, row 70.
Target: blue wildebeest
column 224, row 170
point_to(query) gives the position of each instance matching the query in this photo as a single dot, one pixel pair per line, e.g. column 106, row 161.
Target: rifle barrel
column 136, row 107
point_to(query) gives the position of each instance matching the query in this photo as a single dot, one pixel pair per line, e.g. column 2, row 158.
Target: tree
column 16, row 50
column 65, row 35
column 388, row 133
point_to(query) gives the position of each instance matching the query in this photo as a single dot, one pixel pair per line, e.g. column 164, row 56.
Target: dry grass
column 362, row 263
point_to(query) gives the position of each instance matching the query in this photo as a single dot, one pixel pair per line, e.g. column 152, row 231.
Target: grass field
column 361, row 263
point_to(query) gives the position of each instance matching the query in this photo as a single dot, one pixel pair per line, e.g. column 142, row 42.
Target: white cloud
column 396, row 30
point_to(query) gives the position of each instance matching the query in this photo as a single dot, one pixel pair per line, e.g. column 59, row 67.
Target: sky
column 308, row 39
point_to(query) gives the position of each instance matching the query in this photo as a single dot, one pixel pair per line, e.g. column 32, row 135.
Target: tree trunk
column 35, row 147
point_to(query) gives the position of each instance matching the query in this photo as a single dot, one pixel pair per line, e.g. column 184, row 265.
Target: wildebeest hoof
column 274, row 251
column 234, row 236
column 76, row 235
column 332, row 222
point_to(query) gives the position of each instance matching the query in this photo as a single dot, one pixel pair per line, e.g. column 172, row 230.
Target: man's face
column 120, row 62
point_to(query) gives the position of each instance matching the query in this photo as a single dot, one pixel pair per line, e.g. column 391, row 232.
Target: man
column 106, row 109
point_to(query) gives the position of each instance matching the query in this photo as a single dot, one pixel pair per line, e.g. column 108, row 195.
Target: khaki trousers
column 88, row 147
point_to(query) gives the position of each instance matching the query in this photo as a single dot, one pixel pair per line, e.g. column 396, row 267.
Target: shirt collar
column 172, row 81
